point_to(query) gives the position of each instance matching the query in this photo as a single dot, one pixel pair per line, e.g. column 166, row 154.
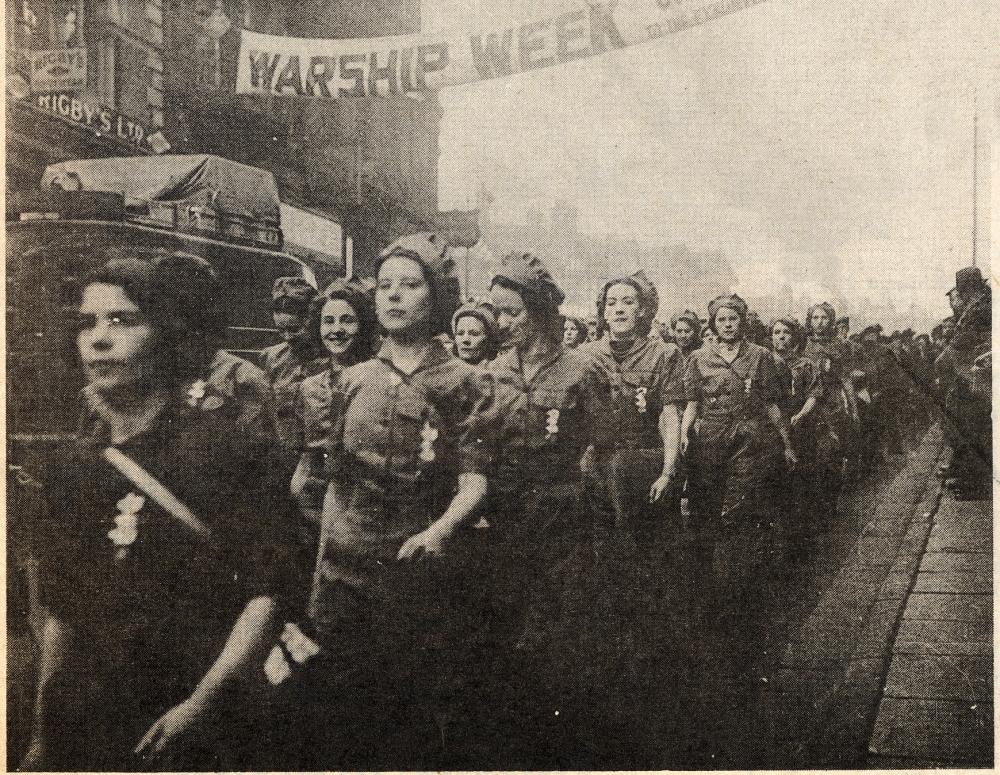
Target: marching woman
column 734, row 387
column 409, row 452
column 343, row 319
column 474, row 329
column 298, row 356
column 686, row 329
column 645, row 378
column 547, row 399
column 804, row 391
column 164, row 560
column 838, row 415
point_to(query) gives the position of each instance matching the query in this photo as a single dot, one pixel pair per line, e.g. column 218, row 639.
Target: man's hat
column 968, row 280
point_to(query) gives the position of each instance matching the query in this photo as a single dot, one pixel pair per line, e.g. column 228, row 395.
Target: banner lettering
column 407, row 64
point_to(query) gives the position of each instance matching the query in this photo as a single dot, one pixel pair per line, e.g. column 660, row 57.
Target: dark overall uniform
column 798, row 491
column 539, row 530
column 734, row 461
column 640, row 384
column 151, row 608
column 317, row 405
column 390, row 630
column 836, row 423
column 285, row 370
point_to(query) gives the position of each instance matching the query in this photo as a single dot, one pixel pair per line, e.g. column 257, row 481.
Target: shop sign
column 97, row 118
column 59, row 70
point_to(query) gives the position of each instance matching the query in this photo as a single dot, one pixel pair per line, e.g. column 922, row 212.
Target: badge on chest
column 640, row 399
column 551, row 424
column 126, row 529
column 428, row 436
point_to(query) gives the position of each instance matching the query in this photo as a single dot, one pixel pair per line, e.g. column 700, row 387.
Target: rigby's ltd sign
column 99, row 119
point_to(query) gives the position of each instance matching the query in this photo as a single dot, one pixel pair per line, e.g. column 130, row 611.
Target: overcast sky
column 822, row 141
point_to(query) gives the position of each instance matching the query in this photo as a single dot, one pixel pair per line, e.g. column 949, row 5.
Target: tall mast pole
column 975, row 175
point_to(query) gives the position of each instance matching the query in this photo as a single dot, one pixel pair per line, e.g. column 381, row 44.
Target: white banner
column 407, row 64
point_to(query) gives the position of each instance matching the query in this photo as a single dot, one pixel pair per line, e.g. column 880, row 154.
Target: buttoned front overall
column 734, row 460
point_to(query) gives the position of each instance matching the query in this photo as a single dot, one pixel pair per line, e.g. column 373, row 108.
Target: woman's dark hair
column 181, row 297
column 366, row 341
column 581, row 330
column 797, row 331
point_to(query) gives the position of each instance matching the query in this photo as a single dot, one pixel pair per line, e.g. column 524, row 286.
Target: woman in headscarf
column 802, row 394
column 574, row 332
column 300, row 354
column 686, row 330
column 639, row 437
column 474, row 329
column 343, row 319
column 164, row 560
column 547, row 402
column 409, row 451
column 838, row 414
column 733, row 389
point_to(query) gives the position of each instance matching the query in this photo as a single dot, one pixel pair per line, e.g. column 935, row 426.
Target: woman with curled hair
column 733, row 389
column 343, row 319
column 686, row 329
column 163, row 559
column 574, row 332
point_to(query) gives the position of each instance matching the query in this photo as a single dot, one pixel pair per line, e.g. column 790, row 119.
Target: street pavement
column 937, row 706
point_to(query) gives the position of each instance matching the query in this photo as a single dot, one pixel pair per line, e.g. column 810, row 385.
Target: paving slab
column 946, row 539
column 933, row 637
column 944, row 607
column 936, row 730
column 940, row 677
column 955, row 583
column 954, row 562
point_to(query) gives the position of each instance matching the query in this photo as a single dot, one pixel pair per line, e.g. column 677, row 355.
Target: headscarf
column 527, row 273
column 431, row 251
column 828, row 309
column 485, row 315
column 730, row 301
column 648, row 298
column 291, row 294
column 690, row 317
